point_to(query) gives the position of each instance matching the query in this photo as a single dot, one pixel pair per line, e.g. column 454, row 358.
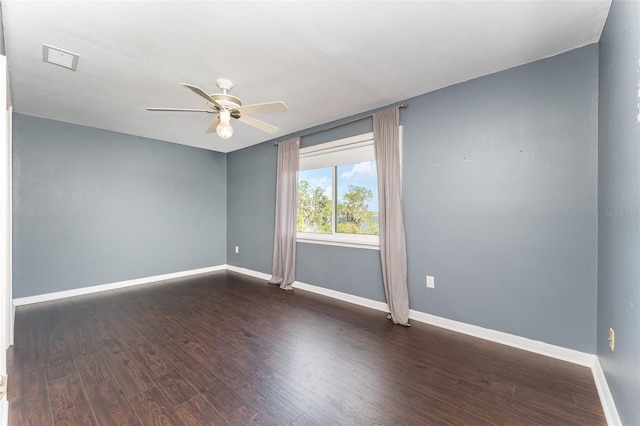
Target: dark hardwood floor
column 223, row 348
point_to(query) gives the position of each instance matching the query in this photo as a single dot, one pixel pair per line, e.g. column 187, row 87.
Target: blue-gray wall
column 251, row 193
column 619, row 207
column 500, row 178
column 94, row 207
column 500, row 183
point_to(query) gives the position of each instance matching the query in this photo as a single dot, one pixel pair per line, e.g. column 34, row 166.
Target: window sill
column 331, row 240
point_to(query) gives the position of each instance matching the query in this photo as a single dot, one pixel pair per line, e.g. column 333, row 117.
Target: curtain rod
column 344, row 123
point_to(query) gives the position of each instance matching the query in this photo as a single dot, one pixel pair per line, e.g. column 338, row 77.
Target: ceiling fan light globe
column 224, row 130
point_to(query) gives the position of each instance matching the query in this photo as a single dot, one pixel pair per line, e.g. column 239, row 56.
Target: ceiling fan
column 227, row 107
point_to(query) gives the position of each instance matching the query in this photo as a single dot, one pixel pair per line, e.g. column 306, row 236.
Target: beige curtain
column 393, row 250
column 284, row 239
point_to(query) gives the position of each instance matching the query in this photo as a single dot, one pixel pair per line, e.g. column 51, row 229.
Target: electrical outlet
column 237, row 249
column 612, row 339
column 431, row 282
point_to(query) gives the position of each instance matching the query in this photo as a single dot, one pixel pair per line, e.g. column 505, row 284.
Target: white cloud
column 320, row 182
column 360, row 171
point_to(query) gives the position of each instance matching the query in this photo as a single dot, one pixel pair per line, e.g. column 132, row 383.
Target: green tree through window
column 314, row 209
column 355, row 211
column 354, row 215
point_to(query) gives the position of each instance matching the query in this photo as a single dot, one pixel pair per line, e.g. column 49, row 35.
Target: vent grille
column 57, row 56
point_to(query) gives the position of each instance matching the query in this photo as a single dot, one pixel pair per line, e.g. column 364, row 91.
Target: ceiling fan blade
column 214, row 125
column 265, row 127
column 181, row 109
column 198, row 91
column 277, row 106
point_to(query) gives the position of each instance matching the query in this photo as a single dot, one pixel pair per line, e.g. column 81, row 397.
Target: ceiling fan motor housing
column 227, row 101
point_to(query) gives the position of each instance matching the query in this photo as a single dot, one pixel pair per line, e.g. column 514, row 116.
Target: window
column 338, row 193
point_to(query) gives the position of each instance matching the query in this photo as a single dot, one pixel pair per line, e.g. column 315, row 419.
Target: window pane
column 315, row 193
column 357, row 208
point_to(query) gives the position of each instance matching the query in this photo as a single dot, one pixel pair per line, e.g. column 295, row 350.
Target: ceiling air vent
column 57, row 56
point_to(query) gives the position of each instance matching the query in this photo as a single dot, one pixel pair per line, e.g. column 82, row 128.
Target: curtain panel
column 284, row 239
column 393, row 248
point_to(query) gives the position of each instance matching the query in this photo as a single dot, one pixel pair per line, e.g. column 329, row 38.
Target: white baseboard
column 380, row 306
column 249, row 272
column 356, row 300
column 606, row 399
column 535, row 346
column 112, row 286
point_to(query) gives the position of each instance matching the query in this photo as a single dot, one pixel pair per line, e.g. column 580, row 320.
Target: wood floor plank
column 153, row 409
column 218, row 337
column 30, row 410
column 201, row 378
column 254, row 393
column 251, row 415
column 165, row 376
column 57, row 356
column 218, row 365
column 223, row 348
column 198, row 411
column 110, row 406
column 182, row 336
column 127, row 371
column 223, row 398
column 400, row 396
column 326, row 402
column 304, row 421
column 93, row 369
column 562, row 408
column 28, row 382
column 146, row 328
column 527, row 411
column 69, row 404
column 28, row 353
column 79, row 339
column 589, row 403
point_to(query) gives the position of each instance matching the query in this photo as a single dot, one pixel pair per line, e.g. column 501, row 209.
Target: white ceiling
column 325, row 59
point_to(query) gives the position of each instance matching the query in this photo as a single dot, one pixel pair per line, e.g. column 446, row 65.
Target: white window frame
column 350, row 150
